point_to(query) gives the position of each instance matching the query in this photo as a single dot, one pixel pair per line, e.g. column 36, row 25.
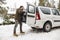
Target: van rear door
column 30, row 19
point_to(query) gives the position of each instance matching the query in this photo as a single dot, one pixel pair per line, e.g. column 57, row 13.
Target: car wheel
column 47, row 27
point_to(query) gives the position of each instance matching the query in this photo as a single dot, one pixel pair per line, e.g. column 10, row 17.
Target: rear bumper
column 39, row 24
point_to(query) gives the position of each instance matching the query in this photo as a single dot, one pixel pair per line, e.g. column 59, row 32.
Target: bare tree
column 59, row 5
column 41, row 3
column 52, row 3
column 47, row 4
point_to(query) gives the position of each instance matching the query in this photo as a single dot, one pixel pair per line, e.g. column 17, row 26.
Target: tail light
column 37, row 16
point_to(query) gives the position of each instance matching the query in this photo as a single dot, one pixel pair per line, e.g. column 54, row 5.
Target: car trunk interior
column 24, row 17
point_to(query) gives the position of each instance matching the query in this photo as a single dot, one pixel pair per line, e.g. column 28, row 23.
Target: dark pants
column 16, row 24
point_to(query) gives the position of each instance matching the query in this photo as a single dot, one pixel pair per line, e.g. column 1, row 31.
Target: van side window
column 45, row 10
column 31, row 9
column 55, row 12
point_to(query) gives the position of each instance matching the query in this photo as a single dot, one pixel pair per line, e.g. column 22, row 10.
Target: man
column 18, row 19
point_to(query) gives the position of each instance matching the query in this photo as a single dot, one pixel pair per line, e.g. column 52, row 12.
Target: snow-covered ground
column 6, row 33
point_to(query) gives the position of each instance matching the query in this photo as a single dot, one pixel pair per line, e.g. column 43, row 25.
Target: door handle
column 30, row 16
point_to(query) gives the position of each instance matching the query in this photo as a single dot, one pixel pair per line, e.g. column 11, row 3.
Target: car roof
column 45, row 7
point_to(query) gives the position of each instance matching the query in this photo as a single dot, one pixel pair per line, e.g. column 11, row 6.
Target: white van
column 42, row 17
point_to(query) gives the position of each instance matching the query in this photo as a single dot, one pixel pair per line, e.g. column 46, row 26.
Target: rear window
column 45, row 10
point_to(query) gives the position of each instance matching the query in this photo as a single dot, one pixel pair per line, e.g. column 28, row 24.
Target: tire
column 47, row 27
column 34, row 29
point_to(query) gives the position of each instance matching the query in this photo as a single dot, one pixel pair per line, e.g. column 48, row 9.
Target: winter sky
column 17, row 3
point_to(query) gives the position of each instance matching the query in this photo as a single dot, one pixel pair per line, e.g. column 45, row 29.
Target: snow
column 12, row 19
column 1, row 20
column 6, row 33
